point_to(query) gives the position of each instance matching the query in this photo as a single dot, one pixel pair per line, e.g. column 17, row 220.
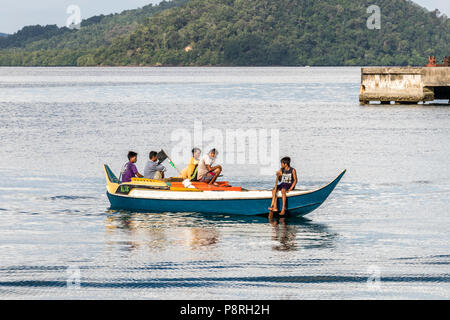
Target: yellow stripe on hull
column 148, row 182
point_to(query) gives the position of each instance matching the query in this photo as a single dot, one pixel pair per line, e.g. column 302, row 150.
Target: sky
column 16, row 14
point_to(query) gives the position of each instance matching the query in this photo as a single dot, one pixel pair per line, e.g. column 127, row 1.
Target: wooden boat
column 159, row 196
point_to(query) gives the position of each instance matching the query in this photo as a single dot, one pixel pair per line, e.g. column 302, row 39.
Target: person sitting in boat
column 190, row 171
column 129, row 170
column 288, row 178
column 206, row 172
column 153, row 169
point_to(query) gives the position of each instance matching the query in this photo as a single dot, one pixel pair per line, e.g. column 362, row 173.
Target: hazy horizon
column 20, row 13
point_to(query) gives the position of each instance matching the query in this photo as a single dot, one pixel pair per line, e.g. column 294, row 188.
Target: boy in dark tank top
column 288, row 178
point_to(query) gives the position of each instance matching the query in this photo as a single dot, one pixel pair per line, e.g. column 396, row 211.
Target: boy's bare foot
column 282, row 212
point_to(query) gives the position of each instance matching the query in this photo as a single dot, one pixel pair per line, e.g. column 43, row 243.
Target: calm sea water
column 383, row 233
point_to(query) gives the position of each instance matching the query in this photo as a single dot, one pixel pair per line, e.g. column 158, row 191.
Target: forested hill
column 259, row 32
column 31, row 34
column 283, row 32
column 50, row 45
column 3, row 34
column 94, row 32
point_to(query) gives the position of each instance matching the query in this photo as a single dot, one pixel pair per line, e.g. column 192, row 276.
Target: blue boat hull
column 298, row 205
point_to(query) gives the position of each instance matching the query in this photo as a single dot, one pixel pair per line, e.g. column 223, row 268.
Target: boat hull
column 297, row 204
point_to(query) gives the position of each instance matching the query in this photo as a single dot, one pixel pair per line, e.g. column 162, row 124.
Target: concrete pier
column 404, row 84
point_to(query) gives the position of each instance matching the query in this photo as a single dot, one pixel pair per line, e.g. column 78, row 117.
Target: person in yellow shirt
column 187, row 172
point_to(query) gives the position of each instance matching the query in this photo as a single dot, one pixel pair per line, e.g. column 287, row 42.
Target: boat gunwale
column 289, row 195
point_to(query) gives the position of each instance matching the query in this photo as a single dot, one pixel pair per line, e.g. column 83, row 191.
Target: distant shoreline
column 170, row 66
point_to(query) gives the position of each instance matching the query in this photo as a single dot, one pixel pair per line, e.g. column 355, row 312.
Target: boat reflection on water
column 157, row 232
column 283, row 233
column 199, row 231
column 292, row 234
column 130, row 232
column 203, row 237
